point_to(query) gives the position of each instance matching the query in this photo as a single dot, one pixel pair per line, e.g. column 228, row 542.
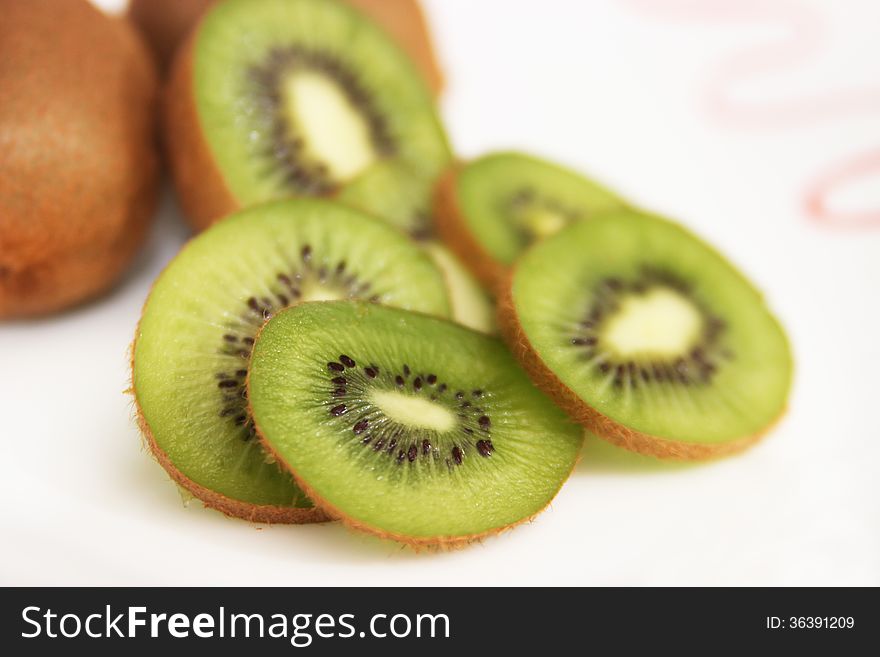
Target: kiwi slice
column 491, row 209
column 194, row 339
column 404, row 425
column 471, row 306
column 648, row 336
column 279, row 98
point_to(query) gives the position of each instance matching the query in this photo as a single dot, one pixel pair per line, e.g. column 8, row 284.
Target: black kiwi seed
column 431, row 379
column 345, row 360
column 485, row 448
column 370, row 372
column 335, row 367
column 336, row 411
column 457, row 456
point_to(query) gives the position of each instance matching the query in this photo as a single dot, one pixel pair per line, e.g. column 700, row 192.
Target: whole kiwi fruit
column 79, row 165
column 165, row 24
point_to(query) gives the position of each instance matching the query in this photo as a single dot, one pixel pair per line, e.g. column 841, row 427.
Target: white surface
column 610, row 88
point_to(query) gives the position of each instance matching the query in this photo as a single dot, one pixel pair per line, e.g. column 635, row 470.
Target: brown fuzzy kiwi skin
column 604, row 427
column 166, row 24
column 417, row 544
column 452, row 226
column 257, row 513
column 79, row 167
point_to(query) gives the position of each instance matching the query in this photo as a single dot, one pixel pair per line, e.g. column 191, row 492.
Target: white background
column 618, row 89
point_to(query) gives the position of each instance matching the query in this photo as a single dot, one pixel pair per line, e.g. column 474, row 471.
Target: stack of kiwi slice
column 312, row 355
column 275, row 326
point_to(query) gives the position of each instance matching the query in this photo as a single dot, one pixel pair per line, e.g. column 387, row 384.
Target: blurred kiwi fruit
column 79, row 164
column 471, row 305
column 489, row 210
column 166, row 23
column 277, row 98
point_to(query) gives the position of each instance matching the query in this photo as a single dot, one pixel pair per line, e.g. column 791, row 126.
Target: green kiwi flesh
column 435, row 436
column 652, row 329
column 509, row 200
column 194, row 339
column 309, row 97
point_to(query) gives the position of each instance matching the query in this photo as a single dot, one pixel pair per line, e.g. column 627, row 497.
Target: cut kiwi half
column 194, row 339
column 406, row 426
column 493, row 208
column 648, row 337
column 280, row 98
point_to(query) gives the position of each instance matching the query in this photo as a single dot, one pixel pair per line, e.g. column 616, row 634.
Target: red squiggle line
column 824, row 186
column 804, row 38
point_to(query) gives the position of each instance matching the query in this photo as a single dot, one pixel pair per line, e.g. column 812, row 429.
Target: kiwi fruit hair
column 79, row 170
column 489, row 210
column 406, row 426
column 193, row 342
column 166, row 23
column 277, row 98
column 648, row 337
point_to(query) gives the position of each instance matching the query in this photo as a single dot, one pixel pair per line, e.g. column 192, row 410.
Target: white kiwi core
column 661, row 323
column 313, row 291
column 336, row 133
column 543, row 222
column 413, row 411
